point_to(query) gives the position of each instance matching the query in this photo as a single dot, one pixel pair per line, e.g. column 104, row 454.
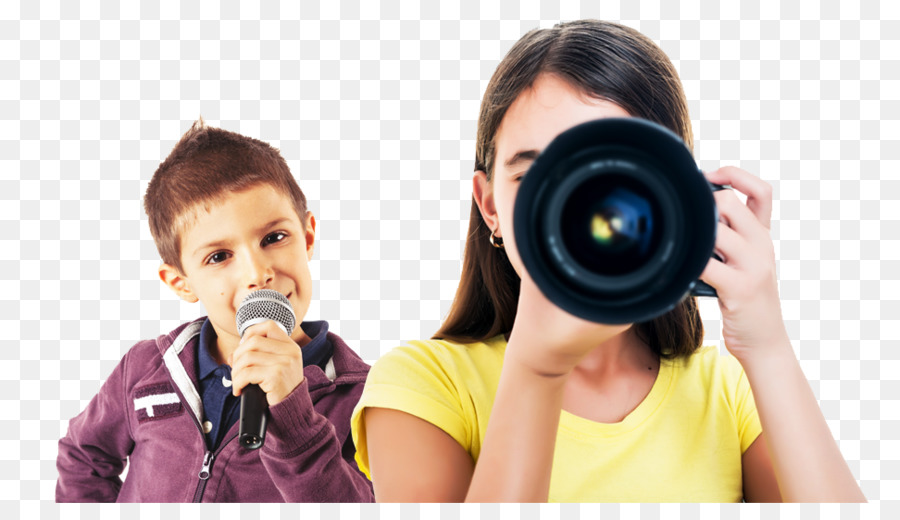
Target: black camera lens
column 614, row 222
column 611, row 225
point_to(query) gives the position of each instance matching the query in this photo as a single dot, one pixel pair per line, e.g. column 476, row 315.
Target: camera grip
column 701, row 288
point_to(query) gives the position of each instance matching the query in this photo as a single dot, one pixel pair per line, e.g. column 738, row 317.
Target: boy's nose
column 259, row 273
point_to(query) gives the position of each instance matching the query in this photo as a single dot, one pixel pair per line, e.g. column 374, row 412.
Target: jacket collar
column 177, row 350
column 348, row 368
column 178, row 347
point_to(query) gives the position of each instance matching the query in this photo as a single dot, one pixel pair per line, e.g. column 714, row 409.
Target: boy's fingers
column 273, row 329
column 266, row 329
column 251, row 365
column 263, row 359
column 250, row 374
column 271, row 379
column 266, row 346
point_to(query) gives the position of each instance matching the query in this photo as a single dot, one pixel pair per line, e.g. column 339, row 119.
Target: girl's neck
column 620, row 354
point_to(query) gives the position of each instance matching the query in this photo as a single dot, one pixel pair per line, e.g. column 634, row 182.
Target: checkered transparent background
column 373, row 104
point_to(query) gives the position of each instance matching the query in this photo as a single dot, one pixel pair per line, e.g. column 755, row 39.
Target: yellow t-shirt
column 683, row 443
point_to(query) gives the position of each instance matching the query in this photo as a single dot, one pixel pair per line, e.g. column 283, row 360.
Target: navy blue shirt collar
column 206, row 364
column 317, row 352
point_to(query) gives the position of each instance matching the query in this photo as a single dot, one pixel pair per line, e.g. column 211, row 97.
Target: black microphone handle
column 253, row 417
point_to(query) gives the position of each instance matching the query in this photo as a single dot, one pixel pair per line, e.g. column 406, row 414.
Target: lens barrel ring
column 643, row 180
column 627, row 148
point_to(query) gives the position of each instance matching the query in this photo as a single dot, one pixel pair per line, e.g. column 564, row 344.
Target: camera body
column 615, row 222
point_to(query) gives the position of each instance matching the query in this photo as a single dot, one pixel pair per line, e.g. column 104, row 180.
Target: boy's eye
column 217, row 257
column 272, row 238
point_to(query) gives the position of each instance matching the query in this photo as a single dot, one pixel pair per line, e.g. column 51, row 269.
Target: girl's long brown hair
column 605, row 61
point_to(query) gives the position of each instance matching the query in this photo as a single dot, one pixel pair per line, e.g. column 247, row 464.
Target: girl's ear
column 175, row 280
column 483, row 193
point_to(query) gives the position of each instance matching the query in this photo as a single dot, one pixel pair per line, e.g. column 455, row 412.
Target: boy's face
column 252, row 240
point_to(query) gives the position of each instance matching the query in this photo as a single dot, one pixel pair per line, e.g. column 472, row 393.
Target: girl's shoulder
column 710, row 369
column 446, row 355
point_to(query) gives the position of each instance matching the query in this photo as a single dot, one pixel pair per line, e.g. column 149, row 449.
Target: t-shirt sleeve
column 746, row 417
column 416, row 378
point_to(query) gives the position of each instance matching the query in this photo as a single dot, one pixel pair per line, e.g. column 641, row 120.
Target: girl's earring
column 496, row 241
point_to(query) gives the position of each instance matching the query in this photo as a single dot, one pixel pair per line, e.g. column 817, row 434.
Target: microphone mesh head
column 262, row 305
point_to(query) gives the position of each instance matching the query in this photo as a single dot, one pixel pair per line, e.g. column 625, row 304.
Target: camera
column 614, row 221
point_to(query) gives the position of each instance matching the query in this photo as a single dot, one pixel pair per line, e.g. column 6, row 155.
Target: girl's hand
column 745, row 278
column 549, row 340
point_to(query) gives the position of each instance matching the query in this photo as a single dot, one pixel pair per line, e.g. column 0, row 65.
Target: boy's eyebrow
column 520, row 157
column 224, row 242
column 210, row 245
column 272, row 224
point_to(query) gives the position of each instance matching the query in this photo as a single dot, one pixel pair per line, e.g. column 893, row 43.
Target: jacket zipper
column 209, row 456
column 206, row 469
column 204, row 475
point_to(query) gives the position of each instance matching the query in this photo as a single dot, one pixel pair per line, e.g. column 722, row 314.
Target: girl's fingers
column 758, row 191
column 731, row 246
column 717, row 274
column 738, row 216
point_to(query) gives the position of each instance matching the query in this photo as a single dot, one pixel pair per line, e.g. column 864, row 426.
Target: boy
column 228, row 218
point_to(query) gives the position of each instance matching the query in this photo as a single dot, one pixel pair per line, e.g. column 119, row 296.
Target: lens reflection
column 604, row 227
column 608, row 226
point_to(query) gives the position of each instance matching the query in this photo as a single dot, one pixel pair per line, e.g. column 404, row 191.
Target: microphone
column 257, row 307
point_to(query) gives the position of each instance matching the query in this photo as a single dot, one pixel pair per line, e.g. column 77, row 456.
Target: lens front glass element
column 611, row 225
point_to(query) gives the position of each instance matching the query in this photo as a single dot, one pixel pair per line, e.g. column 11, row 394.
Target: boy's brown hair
column 206, row 166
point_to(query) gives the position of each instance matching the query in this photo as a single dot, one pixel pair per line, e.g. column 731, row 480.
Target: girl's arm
column 808, row 465
column 517, row 456
column 413, row 460
column 805, row 457
column 760, row 484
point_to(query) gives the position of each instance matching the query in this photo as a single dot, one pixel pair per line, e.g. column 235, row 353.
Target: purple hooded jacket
column 149, row 412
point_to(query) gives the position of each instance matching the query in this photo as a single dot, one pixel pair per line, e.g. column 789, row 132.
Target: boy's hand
column 268, row 357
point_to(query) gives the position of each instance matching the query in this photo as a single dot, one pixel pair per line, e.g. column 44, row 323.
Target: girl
column 581, row 411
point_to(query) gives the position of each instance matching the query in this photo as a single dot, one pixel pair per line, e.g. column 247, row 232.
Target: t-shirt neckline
column 644, row 410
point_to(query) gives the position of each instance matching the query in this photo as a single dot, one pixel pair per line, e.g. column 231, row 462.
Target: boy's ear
column 310, row 234
column 483, row 193
column 172, row 277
